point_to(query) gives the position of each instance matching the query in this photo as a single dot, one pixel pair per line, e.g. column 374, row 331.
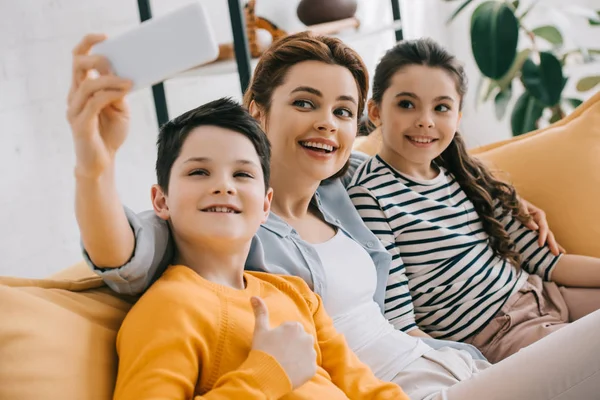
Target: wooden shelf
column 230, row 66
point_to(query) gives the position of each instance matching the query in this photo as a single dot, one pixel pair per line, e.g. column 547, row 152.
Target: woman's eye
column 344, row 112
column 201, row 172
column 303, row 104
column 243, row 175
column 442, row 108
column 406, row 104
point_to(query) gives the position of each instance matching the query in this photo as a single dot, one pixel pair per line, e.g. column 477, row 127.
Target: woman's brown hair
column 274, row 64
column 477, row 181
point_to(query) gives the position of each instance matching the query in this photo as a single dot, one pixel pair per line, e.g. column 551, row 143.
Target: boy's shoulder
column 176, row 288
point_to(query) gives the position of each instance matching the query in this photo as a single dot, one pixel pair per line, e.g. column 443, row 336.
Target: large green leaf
column 545, row 81
column 550, row 33
column 525, row 114
column 501, row 102
column 494, row 37
column 588, row 83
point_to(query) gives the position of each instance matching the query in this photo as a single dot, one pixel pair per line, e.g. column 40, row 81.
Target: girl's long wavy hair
column 480, row 186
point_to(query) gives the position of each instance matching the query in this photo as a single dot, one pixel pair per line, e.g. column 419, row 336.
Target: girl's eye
column 303, row 104
column 201, row 172
column 344, row 112
column 442, row 108
column 406, row 104
column 243, row 175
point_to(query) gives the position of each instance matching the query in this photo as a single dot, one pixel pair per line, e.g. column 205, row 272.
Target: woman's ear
column 374, row 115
column 255, row 110
column 159, row 202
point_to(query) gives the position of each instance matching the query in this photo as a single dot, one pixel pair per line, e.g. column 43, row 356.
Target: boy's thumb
column 261, row 314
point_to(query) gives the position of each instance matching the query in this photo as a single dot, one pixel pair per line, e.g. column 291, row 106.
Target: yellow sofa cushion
column 57, row 337
column 557, row 168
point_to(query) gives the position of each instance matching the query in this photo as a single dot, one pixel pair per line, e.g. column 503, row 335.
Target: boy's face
column 216, row 190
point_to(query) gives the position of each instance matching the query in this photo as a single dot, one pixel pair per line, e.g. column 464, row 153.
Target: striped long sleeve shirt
column 444, row 276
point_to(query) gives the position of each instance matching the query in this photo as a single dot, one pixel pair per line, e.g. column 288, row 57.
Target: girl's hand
column 97, row 112
column 538, row 222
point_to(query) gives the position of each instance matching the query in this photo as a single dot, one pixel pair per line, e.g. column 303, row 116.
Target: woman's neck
column 217, row 262
column 423, row 171
column 292, row 194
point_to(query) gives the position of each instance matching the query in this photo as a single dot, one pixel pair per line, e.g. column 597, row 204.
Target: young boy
column 206, row 328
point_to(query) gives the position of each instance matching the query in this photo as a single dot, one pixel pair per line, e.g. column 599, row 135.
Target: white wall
column 479, row 125
column 38, row 232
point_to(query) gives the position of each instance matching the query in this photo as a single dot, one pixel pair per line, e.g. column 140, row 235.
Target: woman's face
column 312, row 121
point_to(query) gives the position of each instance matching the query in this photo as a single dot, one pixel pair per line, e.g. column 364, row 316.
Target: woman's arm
column 577, row 271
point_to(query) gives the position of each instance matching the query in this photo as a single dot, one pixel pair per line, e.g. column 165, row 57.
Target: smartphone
column 161, row 47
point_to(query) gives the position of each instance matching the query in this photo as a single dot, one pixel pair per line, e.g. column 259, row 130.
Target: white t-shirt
column 351, row 281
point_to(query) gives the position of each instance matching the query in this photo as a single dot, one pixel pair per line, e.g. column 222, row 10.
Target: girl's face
column 312, row 121
column 419, row 115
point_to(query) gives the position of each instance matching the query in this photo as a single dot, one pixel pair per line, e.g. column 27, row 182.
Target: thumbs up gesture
column 289, row 344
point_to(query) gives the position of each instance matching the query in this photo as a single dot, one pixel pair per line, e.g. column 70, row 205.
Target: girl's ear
column 374, row 115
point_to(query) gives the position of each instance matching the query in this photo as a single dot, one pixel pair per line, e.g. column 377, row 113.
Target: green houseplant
column 506, row 49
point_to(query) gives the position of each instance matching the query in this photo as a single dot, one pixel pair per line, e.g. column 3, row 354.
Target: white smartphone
column 161, row 47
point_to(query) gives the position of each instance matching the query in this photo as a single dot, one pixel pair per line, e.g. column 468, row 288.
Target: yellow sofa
column 57, row 335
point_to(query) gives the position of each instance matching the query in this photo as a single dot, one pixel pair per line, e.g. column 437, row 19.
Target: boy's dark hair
column 225, row 113
column 483, row 189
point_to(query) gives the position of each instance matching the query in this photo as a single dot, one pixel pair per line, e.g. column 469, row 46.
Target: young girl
column 465, row 267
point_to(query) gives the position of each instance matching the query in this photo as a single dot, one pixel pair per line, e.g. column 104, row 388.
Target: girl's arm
column 535, row 258
column 577, row 271
column 539, row 223
column 398, row 307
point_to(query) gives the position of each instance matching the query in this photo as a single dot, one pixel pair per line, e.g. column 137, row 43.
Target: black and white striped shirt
column 444, row 276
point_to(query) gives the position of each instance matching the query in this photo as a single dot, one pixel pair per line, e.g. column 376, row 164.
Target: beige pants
column 537, row 310
column 561, row 366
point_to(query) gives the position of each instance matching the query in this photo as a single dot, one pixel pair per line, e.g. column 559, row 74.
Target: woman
column 307, row 91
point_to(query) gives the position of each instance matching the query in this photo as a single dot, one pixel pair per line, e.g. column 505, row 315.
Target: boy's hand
column 289, row 344
column 97, row 112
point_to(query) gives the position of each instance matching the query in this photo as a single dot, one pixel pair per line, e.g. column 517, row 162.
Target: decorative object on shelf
column 261, row 32
column 313, row 12
column 496, row 27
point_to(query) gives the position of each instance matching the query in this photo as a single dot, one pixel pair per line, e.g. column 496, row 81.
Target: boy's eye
column 442, row 108
column 242, row 174
column 344, row 112
column 201, row 172
column 303, row 104
column 406, row 104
